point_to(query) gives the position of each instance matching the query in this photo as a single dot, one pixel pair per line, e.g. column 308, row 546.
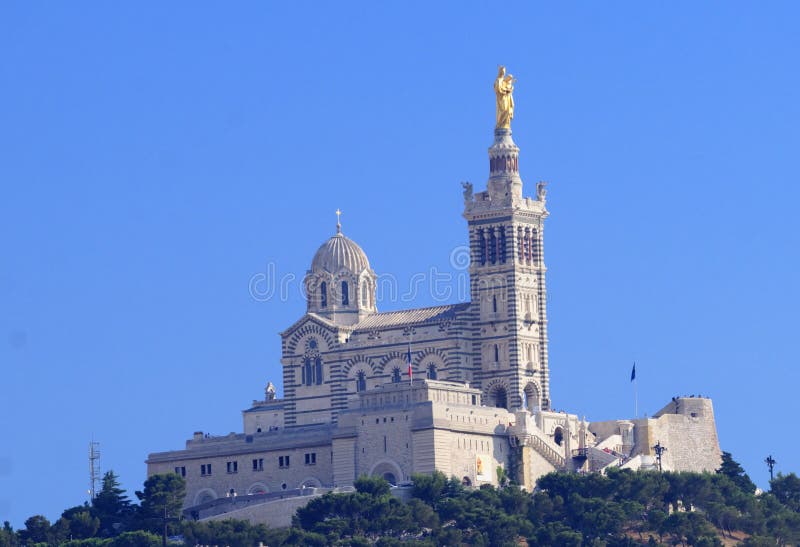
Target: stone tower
column 507, row 284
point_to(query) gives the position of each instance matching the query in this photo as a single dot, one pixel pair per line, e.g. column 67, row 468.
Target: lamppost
column 770, row 461
column 660, row 449
column 165, row 519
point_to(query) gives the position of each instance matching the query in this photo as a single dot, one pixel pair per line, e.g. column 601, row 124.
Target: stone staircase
column 546, row 448
column 599, row 459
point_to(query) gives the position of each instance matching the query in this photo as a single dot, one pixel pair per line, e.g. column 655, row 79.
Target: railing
column 546, row 451
column 580, row 453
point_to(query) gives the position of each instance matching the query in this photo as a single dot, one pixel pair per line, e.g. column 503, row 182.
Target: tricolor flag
column 633, row 372
column 408, row 358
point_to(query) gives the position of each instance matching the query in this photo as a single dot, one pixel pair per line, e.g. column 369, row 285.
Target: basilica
column 462, row 388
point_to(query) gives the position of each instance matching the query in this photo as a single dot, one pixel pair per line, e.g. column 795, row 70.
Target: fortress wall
column 344, row 457
column 537, row 466
column 603, row 430
column 686, row 427
column 275, row 514
column 423, row 451
column 272, row 476
column 384, row 436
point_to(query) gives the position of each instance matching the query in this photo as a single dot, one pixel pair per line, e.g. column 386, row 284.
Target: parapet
column 693, row 407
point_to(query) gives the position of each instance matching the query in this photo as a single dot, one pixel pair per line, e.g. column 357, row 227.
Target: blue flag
column 633, row 372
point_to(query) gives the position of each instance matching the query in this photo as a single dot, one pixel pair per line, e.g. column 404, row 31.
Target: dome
column 340, row 253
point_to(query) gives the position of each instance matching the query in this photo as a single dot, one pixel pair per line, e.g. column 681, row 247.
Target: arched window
column 558, row 436
column 396, row 375
column 432, row 371
column 308, row 372
column 502, row 244
column 496, row 354
column 323, row 295
column 364, row 295
column 494, row 303
column 527, row 244
column 492, row 246
column 345, row 294
column 481, row 247
column 318, row 371
column 361, row 381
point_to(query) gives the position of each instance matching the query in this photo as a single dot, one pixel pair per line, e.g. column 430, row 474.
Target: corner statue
column 503, row 88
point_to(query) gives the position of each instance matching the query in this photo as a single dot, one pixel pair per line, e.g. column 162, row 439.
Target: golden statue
column 503, row 88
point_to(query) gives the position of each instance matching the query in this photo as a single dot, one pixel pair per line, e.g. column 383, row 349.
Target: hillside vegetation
column 620, row 508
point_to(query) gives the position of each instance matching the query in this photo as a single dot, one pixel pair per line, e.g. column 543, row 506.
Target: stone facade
column 462, row 388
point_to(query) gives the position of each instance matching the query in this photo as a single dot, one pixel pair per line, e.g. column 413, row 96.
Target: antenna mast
column 94, row 468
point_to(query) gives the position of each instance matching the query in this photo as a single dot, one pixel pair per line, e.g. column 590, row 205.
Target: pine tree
column 735, row 472
column 112, row 506
column 162, row 499
column 7, row 536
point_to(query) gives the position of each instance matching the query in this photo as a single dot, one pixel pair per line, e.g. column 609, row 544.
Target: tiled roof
column 410, row 317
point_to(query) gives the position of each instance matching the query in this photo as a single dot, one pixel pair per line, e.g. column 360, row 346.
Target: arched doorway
column 257, row 488
column 498, row 396
column 530, row 397
column 311, row 482
column 389, row 471
column 204, row 496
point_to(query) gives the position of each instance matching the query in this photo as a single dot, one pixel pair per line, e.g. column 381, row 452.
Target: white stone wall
column 272, row 478
column 258, row 421
column 686, row 427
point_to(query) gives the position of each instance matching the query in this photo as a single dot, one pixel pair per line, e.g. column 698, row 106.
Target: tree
column 429, row 488
column 227, row 532
column 7, row 536
column 37, row 529
column 502, row 477
column 736, row 473
column 138, row 538
column 787, row 489
column 83, row 525
column 161, row 499
column 374, row 486
column 59, row 532
column 112, row 506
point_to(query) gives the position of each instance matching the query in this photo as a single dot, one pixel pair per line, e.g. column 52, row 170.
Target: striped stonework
column 477, row 399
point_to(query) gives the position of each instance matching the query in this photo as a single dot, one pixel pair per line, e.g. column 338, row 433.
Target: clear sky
column 157, row 158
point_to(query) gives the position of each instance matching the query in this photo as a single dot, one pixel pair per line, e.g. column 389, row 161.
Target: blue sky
column 157, row 158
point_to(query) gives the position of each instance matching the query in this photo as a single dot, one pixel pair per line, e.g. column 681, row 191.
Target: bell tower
column 507, row 275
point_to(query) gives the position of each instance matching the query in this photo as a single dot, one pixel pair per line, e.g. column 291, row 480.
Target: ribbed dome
column 340, row 253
